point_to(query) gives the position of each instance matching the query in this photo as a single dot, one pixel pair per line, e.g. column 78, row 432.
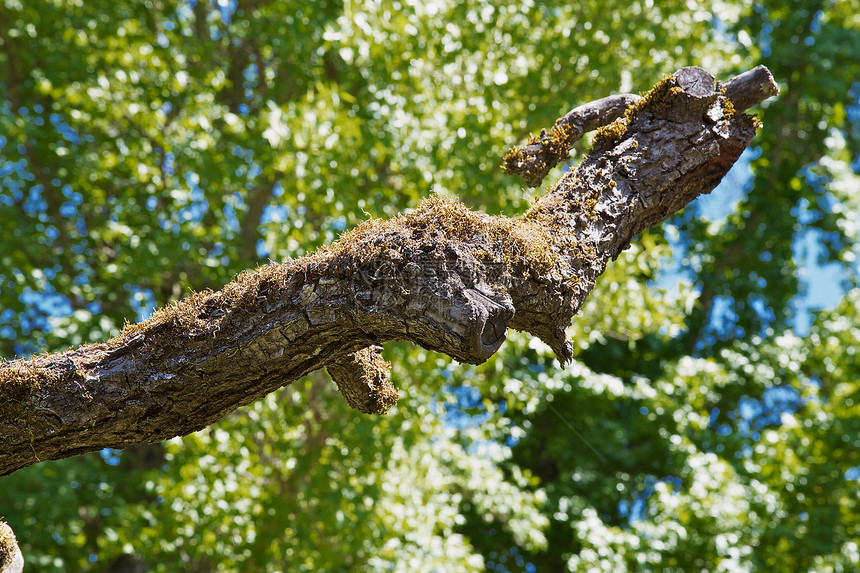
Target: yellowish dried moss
column 653, row 99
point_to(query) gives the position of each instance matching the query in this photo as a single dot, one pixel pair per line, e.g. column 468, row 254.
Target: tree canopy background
column 148, row 149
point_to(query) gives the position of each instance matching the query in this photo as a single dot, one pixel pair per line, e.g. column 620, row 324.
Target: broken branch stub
column 364, row 379
column 444, row 277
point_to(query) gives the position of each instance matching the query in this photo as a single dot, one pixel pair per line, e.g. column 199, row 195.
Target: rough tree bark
column 443, row 277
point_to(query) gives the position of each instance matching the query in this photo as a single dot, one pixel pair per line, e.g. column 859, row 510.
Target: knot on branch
column 488, row 316
column 458, row 306
column 364, row 379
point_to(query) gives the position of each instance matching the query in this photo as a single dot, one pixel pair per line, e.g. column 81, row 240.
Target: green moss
column 448, row 222
column 528, row 245
column 654, row 99
column 612, row 132
column 756, row 122
column 18, row 380
column 546, row 151
column 728, row 108
column 512, row 161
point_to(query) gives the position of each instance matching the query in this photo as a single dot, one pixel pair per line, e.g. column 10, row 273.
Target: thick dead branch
column 443, row 277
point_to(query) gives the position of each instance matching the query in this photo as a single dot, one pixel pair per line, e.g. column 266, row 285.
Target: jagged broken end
column 560, row 345
column 536, row 159
column 528, row 162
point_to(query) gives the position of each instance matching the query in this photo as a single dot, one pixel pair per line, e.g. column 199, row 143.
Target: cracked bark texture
column 443, row 277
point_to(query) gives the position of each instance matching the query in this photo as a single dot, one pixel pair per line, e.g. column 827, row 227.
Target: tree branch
column 534, row 161
column 442, row 276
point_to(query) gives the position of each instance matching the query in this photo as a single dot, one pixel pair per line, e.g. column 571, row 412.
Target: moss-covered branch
column 442, row 276
column 542, row 152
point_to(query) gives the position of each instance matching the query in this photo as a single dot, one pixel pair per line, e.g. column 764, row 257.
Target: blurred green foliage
column 150, row 148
